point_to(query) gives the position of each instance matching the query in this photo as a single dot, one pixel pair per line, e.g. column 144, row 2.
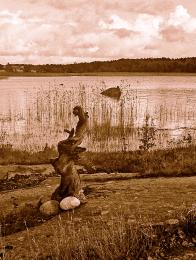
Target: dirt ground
column 147, row 200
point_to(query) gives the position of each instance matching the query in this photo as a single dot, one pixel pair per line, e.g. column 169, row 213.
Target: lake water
column 35, row 110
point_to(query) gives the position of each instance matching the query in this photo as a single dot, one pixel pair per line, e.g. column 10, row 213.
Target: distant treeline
column 122, row 65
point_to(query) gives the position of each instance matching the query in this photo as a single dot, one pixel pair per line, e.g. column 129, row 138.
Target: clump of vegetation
column 148, row 134
column 185, row 141
column 188, row 138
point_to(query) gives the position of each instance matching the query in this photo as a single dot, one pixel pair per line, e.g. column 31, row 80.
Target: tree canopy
column 122, row 65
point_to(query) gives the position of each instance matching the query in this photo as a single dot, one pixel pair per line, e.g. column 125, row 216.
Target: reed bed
column 113, row 126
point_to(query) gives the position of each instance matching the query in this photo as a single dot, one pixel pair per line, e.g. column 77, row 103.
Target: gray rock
column 50, row 208
column 44, row 199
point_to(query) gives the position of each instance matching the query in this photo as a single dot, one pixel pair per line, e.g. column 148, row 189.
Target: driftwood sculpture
column 64, row 165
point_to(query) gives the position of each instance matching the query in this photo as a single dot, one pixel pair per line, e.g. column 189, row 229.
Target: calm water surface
column 35, row 110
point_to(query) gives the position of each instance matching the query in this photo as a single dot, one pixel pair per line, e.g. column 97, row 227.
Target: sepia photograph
column 97, row 129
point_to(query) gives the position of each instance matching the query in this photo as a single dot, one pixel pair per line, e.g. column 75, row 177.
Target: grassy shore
column 172, row 162
column 179, row 161
column 50, row 74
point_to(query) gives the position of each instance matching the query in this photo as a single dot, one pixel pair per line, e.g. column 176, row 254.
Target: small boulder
column 49, row 208
column 43, row 199
column 69, row 203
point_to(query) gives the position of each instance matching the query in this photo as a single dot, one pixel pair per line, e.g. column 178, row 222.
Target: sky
column 68, row 31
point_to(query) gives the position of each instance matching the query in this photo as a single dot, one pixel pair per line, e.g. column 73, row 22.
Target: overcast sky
column 67, row 31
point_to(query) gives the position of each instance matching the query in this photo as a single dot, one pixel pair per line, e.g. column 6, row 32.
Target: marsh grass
column 178, row 161
column 9, row 155
column 171, row 162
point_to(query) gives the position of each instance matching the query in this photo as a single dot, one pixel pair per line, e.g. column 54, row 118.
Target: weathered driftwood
column 70, row 184
column 64, row 165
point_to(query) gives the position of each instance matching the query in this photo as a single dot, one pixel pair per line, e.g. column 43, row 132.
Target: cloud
column 7, row 17
column 124, row 33
column 181, row 17
column 173, row 34
column 148, row 24
column 115, row 22
column 62, row 31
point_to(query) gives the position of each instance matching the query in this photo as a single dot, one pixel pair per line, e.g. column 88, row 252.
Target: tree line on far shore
column 161, row 65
